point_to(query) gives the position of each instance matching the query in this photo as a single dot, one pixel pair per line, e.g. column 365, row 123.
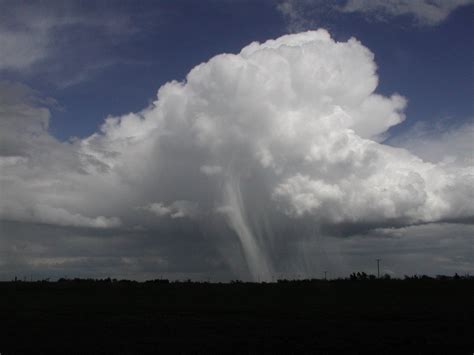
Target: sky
column 236, row 139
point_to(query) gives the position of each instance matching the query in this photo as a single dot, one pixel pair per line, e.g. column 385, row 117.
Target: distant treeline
column 356, row 276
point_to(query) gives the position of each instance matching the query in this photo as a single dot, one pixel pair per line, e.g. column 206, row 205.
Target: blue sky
column 92, row 73
column 277, row 160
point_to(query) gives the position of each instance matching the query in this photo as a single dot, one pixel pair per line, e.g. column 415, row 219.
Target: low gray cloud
column 42, row 251
column 50, row 251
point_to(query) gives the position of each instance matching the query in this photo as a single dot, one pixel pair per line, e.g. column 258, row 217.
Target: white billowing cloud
column 177, row 209
column 59, row 216
column 376, row 183
column 210, row 169
column 158, row 208
column 425, row 12
column 288, row 129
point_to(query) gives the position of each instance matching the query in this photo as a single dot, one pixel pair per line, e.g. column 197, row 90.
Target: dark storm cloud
column 44, row 251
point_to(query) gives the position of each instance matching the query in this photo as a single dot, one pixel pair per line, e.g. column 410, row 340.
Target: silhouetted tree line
column 362, row 276
column 355, row 276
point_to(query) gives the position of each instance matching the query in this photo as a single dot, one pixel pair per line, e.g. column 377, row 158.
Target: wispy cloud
column 424, row 12
column 309, row 14
column 66, row 42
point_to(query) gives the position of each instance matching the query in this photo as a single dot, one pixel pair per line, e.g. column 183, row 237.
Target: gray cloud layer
column 254, row 152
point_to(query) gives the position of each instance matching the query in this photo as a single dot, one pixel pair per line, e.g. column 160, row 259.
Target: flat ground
column 381, row 316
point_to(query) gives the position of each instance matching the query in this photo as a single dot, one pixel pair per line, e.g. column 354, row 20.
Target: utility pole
column 325, row 274
column 378, row 268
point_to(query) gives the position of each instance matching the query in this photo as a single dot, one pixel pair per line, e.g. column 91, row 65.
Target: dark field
column 342, row 316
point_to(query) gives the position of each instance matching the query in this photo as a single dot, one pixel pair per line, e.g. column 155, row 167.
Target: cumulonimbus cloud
column 290, row 128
